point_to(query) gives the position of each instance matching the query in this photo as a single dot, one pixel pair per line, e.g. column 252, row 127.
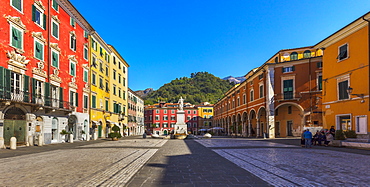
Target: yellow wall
column 354, row 68
column 99, row 113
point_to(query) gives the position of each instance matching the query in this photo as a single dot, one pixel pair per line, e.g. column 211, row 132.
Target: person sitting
column 329, row 138
column 315, row 139
column 322, row 138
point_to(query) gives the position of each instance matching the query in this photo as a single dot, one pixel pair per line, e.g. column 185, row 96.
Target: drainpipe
column 310, row 87
column 48, row 28
column 368, row 26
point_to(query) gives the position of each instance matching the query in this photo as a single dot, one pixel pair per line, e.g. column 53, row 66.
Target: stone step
column 358, row 140
column 356, row 144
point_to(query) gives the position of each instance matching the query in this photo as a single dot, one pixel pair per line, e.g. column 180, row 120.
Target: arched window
column 294, row 56
column 307, row 54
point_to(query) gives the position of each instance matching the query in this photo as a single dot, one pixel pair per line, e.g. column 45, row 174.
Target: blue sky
column 166, row 39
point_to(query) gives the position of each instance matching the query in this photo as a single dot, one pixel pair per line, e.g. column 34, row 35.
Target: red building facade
column 161, row 118
column 42, row 68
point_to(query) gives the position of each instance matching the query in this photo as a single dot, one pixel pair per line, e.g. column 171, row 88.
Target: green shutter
column 47, row 94
column 26, row 88
column 55, row 5
column 93, row 98
column 7, row 83
column 61, row 105
column 2, row 78
column 55, row 30
column 44, row 24
column 17, row 4
column 77, row 99
column 293, row 68
column 33, row 13
column 33, row 90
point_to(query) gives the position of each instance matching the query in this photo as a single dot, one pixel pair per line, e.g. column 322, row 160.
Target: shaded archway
column 245, row 124
column 289, row 119
column 15, row 125
column 253, row 123
column 262, row 128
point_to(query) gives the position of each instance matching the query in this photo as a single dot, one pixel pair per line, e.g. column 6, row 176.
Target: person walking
column 308, row 139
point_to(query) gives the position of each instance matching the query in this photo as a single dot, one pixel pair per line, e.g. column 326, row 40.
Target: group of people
column 319, row 138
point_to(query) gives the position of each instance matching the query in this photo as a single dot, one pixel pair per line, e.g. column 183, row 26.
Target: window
column 114, row 74
column 86, row 53
column 72, row 68
column 101, row 66
column 119, row 78
column 38, row 17
column 73, row 98
column 307, row 54
column 73, row 22
column 124, row 81
column 73, row 42
column 294, row 56
column 94, row 44
column 188, row 117
column 39, row 50
column 106, row 70
column 101, row 85
column 288, row 69
column 157, row 111
column 106, row 105
column 156, row 117
column 55, row 5
column 55, row 29
column 114, row 89
column 288, row 89
column 93, row 63
column 195, row 112
column 54, row 96
column 319, row 82
column 244, row 98
column 165, row 124
column 260, row 76
column 209, row 110
column 101, row 52
column 86, row 101
column 188, row 111
column 55, row 59
column 106, row 86
column 17, row 37
column 343, row 52
column 86, row 75
column 172, row 118
column 172, row 111
column 194, row 125
column 289, row 109
column 165, row 111
column 204, row 110
column 319, row 65
column 119, row 92
column 252, row 95
column 114, row 60
column 93, row 79
column 261, row 91
column 18, row 4
column 165, row 118
column 93, row 100
column 342, row 89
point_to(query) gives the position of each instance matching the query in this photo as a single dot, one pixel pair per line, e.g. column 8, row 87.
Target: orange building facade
column 345, row 95
column 278, row 99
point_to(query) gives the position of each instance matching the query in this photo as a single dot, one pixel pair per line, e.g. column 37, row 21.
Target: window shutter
column 7, row 83
column 77, row 99
column 33, row 13
column 61, row 97
column 293, row 68
column 33, row 90
column 282, row 70
column 2, row 78
column 47, row 94
column 26, row 88
column 93, row 101
column 44, row 24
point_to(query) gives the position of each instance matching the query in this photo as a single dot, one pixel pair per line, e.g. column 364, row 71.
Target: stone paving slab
column 296, row 166
column 188, row 163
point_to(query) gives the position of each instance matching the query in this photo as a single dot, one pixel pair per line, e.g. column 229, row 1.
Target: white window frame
column 43, row 48
column 358, row 125
column 41, row 11
column 86, row 53
column 251, row 94
column 263, row 90
column 74, row 37
column 11, row 36
column 21, row 11
column 288, row 69
column 52, row 27
column 339, row 60
column 342, row 79
column 70, row 68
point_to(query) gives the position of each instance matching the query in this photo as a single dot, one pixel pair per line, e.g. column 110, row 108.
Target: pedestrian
column 302, row 139
column 332, row 131
column 308, row 139
column 329, row 139
column 315, row 139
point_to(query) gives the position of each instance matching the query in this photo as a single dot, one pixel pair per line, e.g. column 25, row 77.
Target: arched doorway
column 262, row 123
column 15, row 125
column 54, row 130
column 72, row 126
column 253, row 123
column 289, row 117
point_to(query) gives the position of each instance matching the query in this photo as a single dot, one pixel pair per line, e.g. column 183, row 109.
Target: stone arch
column 14, row 125
column 245, row 124
column 253, row 122
column 262, row 122
column 289, row 119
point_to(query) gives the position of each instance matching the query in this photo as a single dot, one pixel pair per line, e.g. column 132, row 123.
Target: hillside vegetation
column 200, row 87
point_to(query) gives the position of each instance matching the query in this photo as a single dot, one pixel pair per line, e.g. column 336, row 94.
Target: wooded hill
column 200, row 87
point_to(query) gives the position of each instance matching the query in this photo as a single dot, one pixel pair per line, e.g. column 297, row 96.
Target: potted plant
column 64, row 134
column 115, row 134
column 339, row 137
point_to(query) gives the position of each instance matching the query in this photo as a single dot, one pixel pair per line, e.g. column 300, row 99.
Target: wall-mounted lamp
column 350, row 90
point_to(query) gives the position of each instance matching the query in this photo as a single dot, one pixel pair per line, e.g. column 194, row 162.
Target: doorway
column 289, row 128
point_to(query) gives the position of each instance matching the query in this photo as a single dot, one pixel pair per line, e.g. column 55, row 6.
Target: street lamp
column 350, row 90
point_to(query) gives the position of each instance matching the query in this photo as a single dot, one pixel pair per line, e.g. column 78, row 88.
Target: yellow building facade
column 346, row 61
column 205, row 113
column 100, row 87
column 118, row 92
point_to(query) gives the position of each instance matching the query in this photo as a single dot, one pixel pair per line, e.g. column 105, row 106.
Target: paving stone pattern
column 104, row 164
column 295, row 166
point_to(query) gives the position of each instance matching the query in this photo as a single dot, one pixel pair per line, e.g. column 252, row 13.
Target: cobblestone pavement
column 291, row 165
column 111, row 163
